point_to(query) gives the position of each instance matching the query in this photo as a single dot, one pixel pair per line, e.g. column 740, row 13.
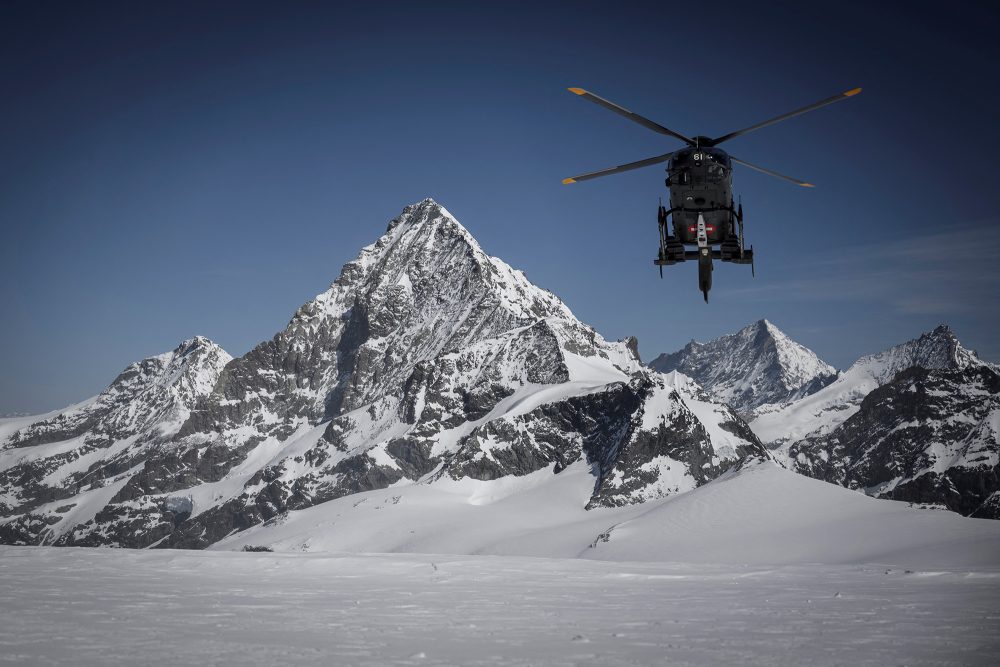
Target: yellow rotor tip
column 578, row 91
column 567, row 181
column 807, row 185
column 852, row 92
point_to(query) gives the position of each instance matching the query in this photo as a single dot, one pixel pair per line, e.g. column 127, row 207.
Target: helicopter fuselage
column 700, row 183
column 700, row 180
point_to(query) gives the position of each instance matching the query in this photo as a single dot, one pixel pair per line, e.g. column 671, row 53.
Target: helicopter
column 700, row 181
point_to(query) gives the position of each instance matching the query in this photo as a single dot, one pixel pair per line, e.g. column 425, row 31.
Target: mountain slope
column 426, row 360
column 755, row 366
column 758, row 514
column 763, row 514
column 928, row 436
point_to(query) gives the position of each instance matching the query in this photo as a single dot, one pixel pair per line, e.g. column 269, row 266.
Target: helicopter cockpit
column 698, row 166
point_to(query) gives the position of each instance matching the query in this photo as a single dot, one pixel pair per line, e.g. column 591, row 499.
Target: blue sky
column 175, row 169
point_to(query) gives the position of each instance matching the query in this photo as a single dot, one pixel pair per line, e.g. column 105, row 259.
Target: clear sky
column 180, row 168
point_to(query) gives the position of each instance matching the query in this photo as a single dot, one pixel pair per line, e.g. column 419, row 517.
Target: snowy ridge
column 935, row 349
column 65, row 465
column 755, row 366
column 763, row 514
column 158, row 390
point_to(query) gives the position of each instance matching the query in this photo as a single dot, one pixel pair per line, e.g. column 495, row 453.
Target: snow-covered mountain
column 59, row 469
column 927, row 436
column 930, row 440
column 918, row 422
column 427, row 361
column 821, row 412
column 755, row 366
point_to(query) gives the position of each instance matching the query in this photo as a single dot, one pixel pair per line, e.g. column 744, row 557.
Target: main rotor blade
column 790, row 114
column 772, row 173
column 620, row 168
column 634, row 117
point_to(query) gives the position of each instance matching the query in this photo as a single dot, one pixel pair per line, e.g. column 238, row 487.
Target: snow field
column 107, row 607
column 760, row 515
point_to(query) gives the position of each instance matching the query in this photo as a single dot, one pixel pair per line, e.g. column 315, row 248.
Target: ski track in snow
column 101, row 607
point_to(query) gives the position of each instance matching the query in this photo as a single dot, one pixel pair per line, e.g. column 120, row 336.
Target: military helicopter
column 700, row 180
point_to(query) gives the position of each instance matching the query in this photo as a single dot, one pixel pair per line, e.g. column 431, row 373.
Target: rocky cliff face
column 755, row 366
column 426, row 359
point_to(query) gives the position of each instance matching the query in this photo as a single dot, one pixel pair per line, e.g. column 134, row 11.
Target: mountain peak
column 938, row 348
column 425, row 212
column 426, row 361
column 772, row 330
column 157, row 392
column 758, row 364
column 425, row 287
column 427, row 222
column 193, row 345
column 765, row 327
column 427, row 244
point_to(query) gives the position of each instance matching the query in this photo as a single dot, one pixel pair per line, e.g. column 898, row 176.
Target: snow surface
column 760, row 515
column 737, row 573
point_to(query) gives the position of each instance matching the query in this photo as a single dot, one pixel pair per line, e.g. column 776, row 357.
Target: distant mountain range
column 432, row 367
column 917, row 422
